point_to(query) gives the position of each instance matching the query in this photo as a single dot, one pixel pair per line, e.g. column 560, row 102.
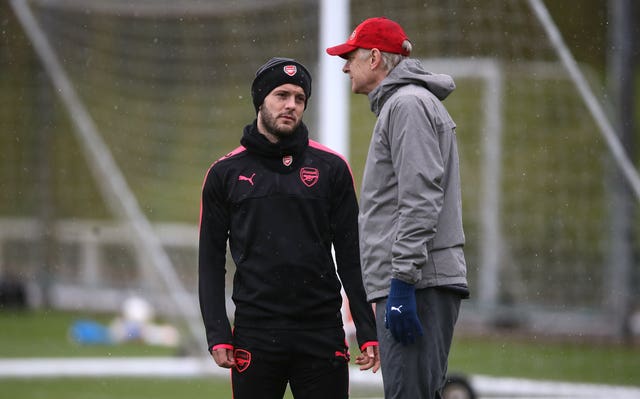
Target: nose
column 345, row 67
column 291, row 102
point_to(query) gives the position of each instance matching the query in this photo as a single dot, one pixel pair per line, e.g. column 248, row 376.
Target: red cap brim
column 341, row 50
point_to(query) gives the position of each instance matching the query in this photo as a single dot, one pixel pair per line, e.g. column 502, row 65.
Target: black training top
column 281, row 206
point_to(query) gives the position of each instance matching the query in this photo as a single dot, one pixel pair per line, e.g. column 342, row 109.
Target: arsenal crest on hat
column 290, row 69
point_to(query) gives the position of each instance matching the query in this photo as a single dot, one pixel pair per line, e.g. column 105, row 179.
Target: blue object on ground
column 89, row 332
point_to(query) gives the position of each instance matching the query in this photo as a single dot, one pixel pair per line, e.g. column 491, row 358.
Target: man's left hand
column 369, row 359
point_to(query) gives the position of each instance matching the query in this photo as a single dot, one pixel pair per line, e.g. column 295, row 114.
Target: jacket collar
column 283, row 155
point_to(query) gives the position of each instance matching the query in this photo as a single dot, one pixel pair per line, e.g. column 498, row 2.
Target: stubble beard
column 269, row 122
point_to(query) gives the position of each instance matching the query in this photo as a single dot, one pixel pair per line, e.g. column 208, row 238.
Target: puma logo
column 397, row 309
column 245, row 178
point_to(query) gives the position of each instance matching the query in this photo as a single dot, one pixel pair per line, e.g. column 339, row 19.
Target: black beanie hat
column 278, row 71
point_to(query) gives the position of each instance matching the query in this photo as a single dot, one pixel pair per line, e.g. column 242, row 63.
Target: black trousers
column 313, row 362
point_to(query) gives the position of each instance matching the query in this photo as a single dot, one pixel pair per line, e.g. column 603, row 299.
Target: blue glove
column 401, row 317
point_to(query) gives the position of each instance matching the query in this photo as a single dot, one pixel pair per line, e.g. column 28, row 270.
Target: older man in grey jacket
column 411, row 235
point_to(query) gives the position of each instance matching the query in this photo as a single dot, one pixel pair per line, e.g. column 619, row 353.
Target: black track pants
column 314, row 363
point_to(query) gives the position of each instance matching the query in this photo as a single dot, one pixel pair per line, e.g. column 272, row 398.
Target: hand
column 223, row 357
column 401, row 317
column 370, row 358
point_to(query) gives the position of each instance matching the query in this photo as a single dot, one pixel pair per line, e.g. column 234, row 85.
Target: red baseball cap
column 379, row 32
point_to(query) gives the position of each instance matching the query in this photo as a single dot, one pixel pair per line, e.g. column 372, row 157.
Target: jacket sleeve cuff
column 364, row 346
column 220, row 346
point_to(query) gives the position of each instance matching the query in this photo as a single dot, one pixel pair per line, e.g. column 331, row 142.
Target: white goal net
column 164, row 88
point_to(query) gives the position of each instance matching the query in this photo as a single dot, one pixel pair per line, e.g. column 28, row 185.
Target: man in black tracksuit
column 281, row 201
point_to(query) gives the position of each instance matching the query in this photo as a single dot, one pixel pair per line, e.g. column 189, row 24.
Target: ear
column 376, row 59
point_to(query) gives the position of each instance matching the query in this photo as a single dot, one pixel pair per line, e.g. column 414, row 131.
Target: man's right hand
column 223, row 357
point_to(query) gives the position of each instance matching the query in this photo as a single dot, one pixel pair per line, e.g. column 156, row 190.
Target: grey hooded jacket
column 410, row 207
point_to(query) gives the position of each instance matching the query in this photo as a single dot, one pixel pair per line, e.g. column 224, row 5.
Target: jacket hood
column 410, row 71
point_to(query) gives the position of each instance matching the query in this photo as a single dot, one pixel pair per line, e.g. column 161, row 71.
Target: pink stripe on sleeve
column 232, row 153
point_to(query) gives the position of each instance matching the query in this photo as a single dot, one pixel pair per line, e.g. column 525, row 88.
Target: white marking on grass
column 188, row 367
